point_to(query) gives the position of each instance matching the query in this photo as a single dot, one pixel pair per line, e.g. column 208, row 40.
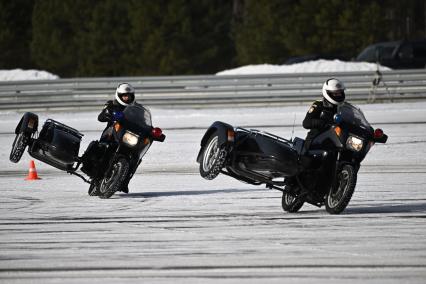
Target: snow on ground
column 176, row 227
column 314, row 66
column 20, row 75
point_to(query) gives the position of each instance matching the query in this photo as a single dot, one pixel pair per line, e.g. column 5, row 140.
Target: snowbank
column 19, row 74
column 304, row 67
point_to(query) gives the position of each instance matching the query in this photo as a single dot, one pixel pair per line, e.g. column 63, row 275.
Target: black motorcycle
column 325, row 174
column 109, row 163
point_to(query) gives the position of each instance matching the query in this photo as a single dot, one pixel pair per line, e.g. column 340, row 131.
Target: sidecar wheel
column 114, row 179
column 290, row 203
column 18, row 147
column 213, row 158
column 341, row 192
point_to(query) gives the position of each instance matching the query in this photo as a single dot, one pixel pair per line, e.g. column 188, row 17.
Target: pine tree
column 57, row 34
column 258, row 37
column 15, row 33
column 181, row 37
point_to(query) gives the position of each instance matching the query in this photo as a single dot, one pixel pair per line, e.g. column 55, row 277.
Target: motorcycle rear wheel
column 213, row 158
column 341, row 192
column 290, row 203
column 18, row 147
column 114, row 178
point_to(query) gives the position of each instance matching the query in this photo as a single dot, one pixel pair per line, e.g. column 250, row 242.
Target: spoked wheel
column 341, row 192
column 290, row 203
column 18, row 147
column 213, row 158
column 114, row 179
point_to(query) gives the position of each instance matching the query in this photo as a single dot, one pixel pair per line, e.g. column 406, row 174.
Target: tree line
column 81, row 38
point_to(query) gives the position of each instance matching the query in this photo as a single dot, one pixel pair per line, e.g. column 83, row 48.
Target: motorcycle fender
column 222, row 130
column 28, row 123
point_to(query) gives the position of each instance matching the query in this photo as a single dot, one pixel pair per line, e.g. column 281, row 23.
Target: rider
column 320, row 115
column 124, row 95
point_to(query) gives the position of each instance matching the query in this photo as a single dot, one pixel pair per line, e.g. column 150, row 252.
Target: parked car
column 404, row 54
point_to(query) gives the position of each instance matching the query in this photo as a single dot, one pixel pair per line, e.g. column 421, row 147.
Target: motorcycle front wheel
column 114, row 178
column 341, row 192
column 213, row 158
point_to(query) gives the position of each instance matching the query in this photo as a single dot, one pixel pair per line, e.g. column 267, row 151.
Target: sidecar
column 248, row 155
column 263, row 154
column 57, row 144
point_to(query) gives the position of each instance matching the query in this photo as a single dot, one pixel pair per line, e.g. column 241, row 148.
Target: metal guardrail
column 206, row 90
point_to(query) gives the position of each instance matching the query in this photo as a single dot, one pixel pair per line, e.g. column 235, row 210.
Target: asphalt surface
column 176, row 227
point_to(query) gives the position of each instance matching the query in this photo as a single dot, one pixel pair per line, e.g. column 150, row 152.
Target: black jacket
column 106, row 113
column 318, row 117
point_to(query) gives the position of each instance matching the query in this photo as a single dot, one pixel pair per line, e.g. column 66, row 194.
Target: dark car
column 404, row 54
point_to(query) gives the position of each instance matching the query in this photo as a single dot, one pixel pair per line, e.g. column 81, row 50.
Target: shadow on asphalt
column 180, row 193
column 402, row 208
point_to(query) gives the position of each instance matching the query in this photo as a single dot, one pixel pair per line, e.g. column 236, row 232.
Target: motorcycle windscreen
column 138, row 116
column 354, row 118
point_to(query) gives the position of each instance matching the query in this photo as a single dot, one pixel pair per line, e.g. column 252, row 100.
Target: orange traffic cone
column 32, row 173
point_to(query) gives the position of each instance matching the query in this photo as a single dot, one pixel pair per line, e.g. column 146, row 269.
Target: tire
column 18, row 147
column 93, row 189
column 114, row 179
column 341, row 192
column 213, row 158
column 290, row 203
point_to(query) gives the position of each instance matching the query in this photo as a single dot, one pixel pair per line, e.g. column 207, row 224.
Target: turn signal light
column 231, row 136
column 156, row 132
column 117, row 127
column 378, row 133
column 338, row 131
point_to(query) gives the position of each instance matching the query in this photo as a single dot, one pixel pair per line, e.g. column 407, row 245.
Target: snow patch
column 21, row 75
column 314, row 66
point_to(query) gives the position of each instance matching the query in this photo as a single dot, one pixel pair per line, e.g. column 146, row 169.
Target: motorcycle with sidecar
column 325, row 174
column 109, row 163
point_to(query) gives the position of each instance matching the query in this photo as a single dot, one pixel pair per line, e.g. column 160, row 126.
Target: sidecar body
column 56, row 144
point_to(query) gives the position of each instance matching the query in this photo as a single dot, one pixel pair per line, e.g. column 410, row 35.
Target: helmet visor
column 338, row 96
column 127, row 98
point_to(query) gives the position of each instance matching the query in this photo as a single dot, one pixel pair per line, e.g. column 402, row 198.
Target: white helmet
column 122, row 90
column 333, row 91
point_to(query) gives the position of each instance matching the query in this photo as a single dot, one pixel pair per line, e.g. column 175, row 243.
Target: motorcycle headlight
column 354, row 143
column 130, row 138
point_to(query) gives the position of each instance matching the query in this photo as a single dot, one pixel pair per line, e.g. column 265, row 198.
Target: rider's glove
column 117, row 115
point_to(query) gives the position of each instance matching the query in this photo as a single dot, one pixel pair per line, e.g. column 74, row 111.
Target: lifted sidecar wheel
column 114, row 179
column 213, row 158
column 290, row 203
column 341, row 193
column 18, row 147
